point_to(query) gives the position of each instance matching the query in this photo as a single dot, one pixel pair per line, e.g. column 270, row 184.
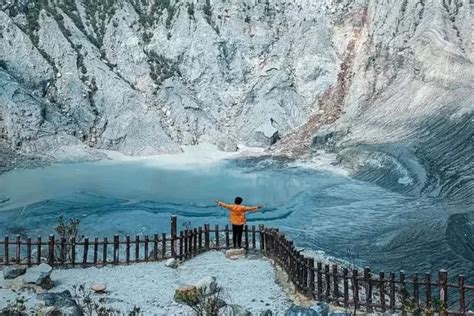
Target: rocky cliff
column 386, row 84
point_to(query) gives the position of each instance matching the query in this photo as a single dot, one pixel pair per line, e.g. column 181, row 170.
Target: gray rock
column 38, row 275
column 171, row 263
column 322, row 308
column 11, row 272
column 207, row 285
column 266, row 313
column 63, row 301
column 238, row 310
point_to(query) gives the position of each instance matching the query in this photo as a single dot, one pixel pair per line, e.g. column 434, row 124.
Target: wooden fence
column 352, row 288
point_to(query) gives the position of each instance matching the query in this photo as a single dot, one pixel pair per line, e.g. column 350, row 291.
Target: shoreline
column 206, row 152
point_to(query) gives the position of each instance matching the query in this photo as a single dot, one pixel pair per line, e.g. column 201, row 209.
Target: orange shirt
column 237, row 212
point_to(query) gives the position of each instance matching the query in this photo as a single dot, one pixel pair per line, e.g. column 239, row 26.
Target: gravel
column 249, row 282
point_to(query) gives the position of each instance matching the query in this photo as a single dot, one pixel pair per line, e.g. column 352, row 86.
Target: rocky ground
column 247, row 282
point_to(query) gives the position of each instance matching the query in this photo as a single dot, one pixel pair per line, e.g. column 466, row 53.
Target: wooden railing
column 360, row 289
column 352, row 288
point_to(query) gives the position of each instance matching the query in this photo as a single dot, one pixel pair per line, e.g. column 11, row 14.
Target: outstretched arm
column 222, row 204
column 253, row 208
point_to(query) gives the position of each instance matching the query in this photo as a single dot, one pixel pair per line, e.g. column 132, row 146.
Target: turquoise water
column 352, row 220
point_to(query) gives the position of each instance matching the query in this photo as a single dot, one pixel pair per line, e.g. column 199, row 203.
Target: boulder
column 171, row 263
column 321, row 308
column 99, row 287
column 301, row 311
column 266, row 313
column 235, row 252
column 62, row 301
column 37, row 275
column 238, row 310
column 207, row 285
column 11, row 272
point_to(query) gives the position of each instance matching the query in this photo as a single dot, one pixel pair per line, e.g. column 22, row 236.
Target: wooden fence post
column 137, row 248
column 345, row 273
column 173, row 231
column 392, row 292
column 311, row 276
column 181, row 244
column 227, row 241
column 355, row 288
column 73, row 251
column 127, row 249
column 246, row 234
column 328, row 282
column 200, row 238
column 382, row 290
column 335, row 284
column 145, row 248
column 319, row 267
column 368, row 288
column 155, row 247
column 443, row 291
column 18, row 249
column 28, row 251
column 185, row 244
column 62, row 252
column 428, row 290
column 96, row 249
column 116, row 248
column 402, row 286
column 190, row 243
column 6, row 251
column 254, row 244
column 206, row 236
column 305, row 266
column 262, row 238
column 195, row 241
column 462, row 296
column 104, row 252
column 85, row 251
column 217, row 236
column 416, row 291
column 51, row 250
column 38, row 250
column 163, row 245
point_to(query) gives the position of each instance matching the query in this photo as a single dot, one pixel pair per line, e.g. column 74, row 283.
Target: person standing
column 237, row 218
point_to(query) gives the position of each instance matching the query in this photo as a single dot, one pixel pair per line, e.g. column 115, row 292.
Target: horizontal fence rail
column 352, row 288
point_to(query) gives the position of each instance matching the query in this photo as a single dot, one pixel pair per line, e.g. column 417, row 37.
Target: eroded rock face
column 144, row 80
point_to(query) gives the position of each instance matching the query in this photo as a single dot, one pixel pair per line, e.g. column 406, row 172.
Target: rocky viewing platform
column 247, row 285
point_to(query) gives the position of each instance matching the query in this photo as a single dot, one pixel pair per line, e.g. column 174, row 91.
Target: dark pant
column 237, row 235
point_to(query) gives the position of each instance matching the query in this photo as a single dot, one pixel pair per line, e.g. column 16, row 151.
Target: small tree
column 203, row 302
column 67, row 230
